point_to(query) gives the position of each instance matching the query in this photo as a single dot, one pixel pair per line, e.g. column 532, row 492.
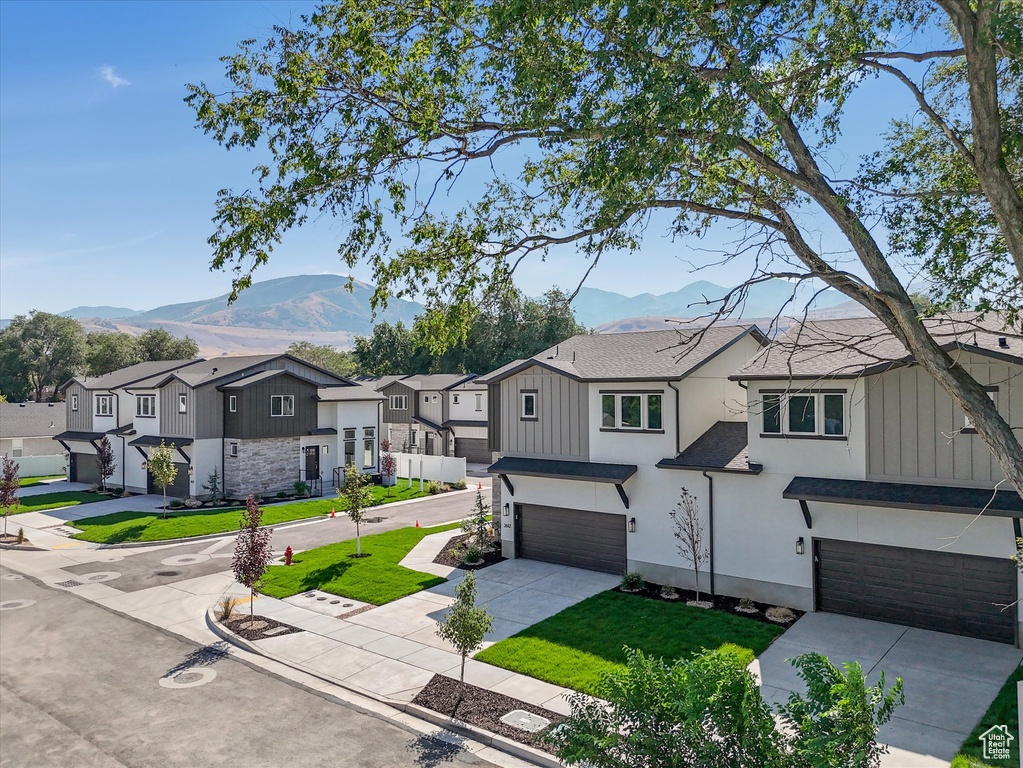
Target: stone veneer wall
column 400, row 435
column 262, row 466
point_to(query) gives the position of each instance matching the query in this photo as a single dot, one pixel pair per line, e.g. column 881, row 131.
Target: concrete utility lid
column 527, row 721
column 324, row 602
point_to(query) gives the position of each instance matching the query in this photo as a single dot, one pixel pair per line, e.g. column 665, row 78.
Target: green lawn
column 29, row 482
column 576, row 647
column 1003, row 711
column 182, row 523
column 43, row 501
column 376, row 579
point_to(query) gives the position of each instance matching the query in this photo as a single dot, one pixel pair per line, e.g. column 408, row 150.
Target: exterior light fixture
column 632, row 525
column 507, row 510
column 799, row 545
column 191, row 470
column 145, row 464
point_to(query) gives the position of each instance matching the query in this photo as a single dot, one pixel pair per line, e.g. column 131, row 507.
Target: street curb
column 508, row 746
column 22, row 548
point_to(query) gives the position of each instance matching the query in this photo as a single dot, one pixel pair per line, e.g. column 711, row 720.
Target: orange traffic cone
column 417, row 523
column 480, row 486
column 331, row 511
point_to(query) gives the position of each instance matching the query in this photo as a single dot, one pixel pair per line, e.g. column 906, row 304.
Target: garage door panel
column 578, row 538
column 85, row 468
column 179, row 489
column 473, row 449
column 943, row 591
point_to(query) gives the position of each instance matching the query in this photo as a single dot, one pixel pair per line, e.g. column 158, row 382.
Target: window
column 232, row 403
column 834, row 414
column 412, row 437
column 17, row 447
column 74, row 402
column 454, row 399
column 802, row 414
column 369, row 439
column 282, row 405
column 398, row 402
column 636, row 410
column 182, row 403
column 991, row 393
column 349, row 435
column 324, row 449
column 479, row 401
column 772, row 414
column 104, row 405
column 529, row 405
column 145, row 406
column 809, row 414
column 234, row 449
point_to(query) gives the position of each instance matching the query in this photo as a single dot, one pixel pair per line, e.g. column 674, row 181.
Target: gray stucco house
column 26, row 435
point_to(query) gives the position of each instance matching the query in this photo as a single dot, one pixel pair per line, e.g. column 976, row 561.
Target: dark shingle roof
column 436, row 381
column 592, row 471
column 723, row 447
column 855, row 346
column 32, row 419
column 205, row 371
column 638, row 355
column 358, row 392
column 133, row 373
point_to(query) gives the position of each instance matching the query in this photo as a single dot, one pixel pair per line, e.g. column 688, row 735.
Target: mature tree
column 38, row 353
column 689, row 532
column 108, row 351
column 252, row 550
column 324, row 356
column 161, row 467
column 10, row 484
column 159, row 344
column 355, row 496
column 105, row 462
column 391, row 350
column 591, row 121
column 465, row 624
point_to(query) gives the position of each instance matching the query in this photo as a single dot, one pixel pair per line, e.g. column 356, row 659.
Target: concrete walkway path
column 55, row 486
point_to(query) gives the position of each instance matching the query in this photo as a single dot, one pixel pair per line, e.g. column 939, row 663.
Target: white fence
column 444, row 469
column 34, row 466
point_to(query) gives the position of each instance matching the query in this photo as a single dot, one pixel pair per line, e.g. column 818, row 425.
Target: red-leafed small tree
column 252, row 552
column 105, row 462
column 388, row 465
column 9, row 485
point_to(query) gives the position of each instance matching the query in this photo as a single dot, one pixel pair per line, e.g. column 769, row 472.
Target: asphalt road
column 79, row 687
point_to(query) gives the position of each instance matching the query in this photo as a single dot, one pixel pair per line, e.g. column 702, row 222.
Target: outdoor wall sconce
column 507, row 510
column 799, row 545
column 632, row 525
column 191, row 470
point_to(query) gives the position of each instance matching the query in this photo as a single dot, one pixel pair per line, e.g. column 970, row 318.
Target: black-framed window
column 805, row 414
column 992, row 393
column 479, row 401
column 104, row 405
column 398, row 402
column 369, row 441
column 631, row 411
column 349, row 438
column 282, row 405
column 182, row 403
column 528, row 409
column 145, row 406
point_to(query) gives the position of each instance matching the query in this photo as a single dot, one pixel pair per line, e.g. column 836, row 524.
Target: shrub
column 301, row 488
column 472, row 555
column 118, row 491
column 225, row 608
column 176, row 504
column 282, row 494
column 433, row 487
column 459, row 485
column 632, row 581
column 21, row 535
column 668, row 592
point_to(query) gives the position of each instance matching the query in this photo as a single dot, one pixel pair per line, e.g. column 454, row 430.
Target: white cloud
column 106, row 72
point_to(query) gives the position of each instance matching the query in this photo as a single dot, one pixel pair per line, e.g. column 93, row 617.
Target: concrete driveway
column 949, row 681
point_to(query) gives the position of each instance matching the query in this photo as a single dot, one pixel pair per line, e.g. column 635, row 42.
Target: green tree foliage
column 584, row 123
column 479, row 524
column 465, row 624
column 159, row 344
column 161, row 467
column 708, row 711
column 392, row 349
column 108, row 351
column 355, row 496
column 38, row 353
column 324, row 356
column 10, row 484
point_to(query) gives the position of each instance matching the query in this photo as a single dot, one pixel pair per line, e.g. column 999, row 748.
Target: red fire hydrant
column 287, row 556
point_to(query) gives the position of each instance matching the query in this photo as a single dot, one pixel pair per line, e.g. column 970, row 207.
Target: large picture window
column 282, row 405
column 145, row 406
column 807, row 414
column 631, row 411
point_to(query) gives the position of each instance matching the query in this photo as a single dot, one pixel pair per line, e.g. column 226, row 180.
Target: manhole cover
column 348, row 605
column 69, row 583
column 101, row 576
column 13, row 576
column 188, row 678
column 168, row 573
column 185, row 559
column 13, row 605
column 527, row 721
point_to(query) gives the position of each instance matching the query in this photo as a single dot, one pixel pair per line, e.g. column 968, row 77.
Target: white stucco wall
column 465, row 408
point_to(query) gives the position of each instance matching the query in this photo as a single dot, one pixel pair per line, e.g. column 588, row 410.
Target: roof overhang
column 431, row 424
column 154, row 441
column 676, row 463
column 323, row 431
column 72, row 436
column 586, row 471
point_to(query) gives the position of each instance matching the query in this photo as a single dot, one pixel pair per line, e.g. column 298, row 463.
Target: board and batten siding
column 80, row 420
column 561, row 429
column 253, row 419
column 913, row 427
column 306, row 372
column 173, row 423
column 208, row 405
column 398, row 416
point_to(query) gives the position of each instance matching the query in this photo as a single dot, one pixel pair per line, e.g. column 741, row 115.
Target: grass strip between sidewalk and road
column 375, row 579
column 1004, row 710
column 43, row 501
column 122, row 527
column 576, row 647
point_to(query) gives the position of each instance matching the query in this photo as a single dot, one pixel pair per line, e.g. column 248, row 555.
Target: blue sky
column 107, row 188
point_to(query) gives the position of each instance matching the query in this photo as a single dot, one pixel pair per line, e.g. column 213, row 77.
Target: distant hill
column 594, row 307
column 103, row 312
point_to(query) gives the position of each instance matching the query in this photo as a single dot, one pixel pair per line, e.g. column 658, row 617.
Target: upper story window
column 454, row 399
column 992, row 392
column 182, row 403
column 479, row 402
column 809, row 414
column 145, row 406
column 529, row 412
column 104, row 405
column 232, row 403
column 74, row 402
column 282, row 405
column 398, row 402
column 631, row 411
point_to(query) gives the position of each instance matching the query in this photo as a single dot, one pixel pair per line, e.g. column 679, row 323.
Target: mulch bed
column 449, row 555
column 10, row 538
column 483, row 708
column 260, row 632
column 356, row 612
column 721, row 603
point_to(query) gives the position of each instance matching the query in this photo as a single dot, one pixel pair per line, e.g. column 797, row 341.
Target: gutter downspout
column 710, row 527
column 117, row 420
column 678, row 417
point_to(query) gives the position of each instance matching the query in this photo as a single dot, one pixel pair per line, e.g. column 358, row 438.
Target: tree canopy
column 325, row 356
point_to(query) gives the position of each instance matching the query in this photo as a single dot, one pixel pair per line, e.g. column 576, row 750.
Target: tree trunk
column 696, row 572
column 358, row 541
column 252, row 604
column 164, row 502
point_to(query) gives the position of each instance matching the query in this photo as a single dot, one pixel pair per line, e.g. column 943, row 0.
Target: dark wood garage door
column 178, row 489
column 944, row 591
column 473, row 449
column 84, row 469
column 591, row 540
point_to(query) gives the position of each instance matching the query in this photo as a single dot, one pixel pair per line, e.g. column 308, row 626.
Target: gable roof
column 254, row 378
column 636, row 355
column 132, row 374
column 32, row 419
column 853, row 347
column 216, row 369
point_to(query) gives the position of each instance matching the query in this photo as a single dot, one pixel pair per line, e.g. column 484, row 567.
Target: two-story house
column 258, row 420
column 442, row 414
column 26, row 435
column 831, row 472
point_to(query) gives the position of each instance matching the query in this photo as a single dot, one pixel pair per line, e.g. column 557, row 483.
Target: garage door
column 573, row 537
column 473, row 449
column 178, row 489
column 944, row 591
column 84, row 469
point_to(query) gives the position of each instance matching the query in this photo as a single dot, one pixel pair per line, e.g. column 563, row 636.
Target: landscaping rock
column 450, row 556
column 780, row 615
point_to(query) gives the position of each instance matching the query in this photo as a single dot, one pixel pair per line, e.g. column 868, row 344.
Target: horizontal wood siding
column 80, row 420
column 173, row 423
column 561, row 428
column 253, row 419
column 913, row 427
column 398, row 417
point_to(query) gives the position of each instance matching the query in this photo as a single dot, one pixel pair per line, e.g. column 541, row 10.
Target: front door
column 312, row 463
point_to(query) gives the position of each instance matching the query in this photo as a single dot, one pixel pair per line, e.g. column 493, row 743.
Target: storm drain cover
column 185, row 559
column 13, row 576
column 101, row 576
column 13, row 605
column 188, row 678
column 69, row 583
column 527, row 721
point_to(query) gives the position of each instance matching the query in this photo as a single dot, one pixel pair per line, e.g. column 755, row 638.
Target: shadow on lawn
column 322, row 578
